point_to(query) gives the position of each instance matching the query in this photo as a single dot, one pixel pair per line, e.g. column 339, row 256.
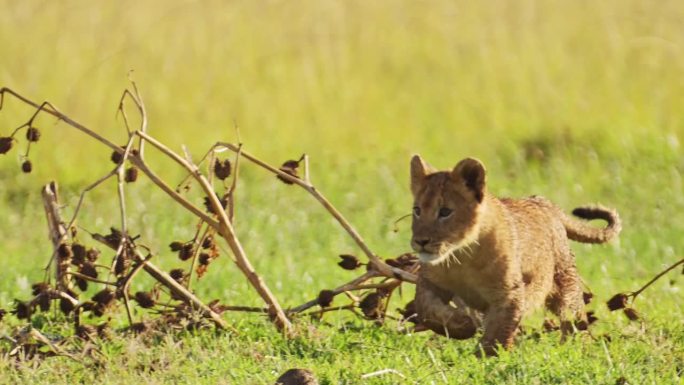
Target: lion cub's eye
column 444, row 212
column 416, row 211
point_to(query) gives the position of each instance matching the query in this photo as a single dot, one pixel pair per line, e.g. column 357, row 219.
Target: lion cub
column 489, row 261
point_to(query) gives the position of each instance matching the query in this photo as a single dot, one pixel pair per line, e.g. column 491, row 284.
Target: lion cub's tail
column 582, row 232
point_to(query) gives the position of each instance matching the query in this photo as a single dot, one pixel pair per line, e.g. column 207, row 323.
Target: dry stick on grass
column 57, row 233
column 223, row 227
column 320, row 312
column 339, row 290
column 376, row 262
column 226, row 230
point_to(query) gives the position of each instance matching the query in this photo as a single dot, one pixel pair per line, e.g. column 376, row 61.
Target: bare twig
column 649, row 283
column 341, row 289
column 233, row 185
column 198, row 249
column 324, row 310
column 377, row 263
column 122, row 201
column 126, row 284
column 57, row 233
column 91, row 279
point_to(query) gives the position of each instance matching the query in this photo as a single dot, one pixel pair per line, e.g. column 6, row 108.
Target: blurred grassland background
column 579, row 101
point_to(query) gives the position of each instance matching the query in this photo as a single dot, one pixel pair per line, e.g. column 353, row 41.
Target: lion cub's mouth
column 428, row 257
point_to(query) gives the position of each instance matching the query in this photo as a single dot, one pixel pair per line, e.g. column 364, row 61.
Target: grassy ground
column 576, row 101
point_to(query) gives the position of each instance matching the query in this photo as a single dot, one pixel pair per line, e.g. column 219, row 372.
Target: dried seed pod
column 204, row 259
column 222, row 169
column 591, row 318
column 32, row 134
column 208, row 242
column 104, row 297
column 138, row 327
column 88, row 269
column 144, row 299
column 92, row 255
column 618, row 301
column 349, row 262
column 131, row 174
column 39, row 288
column 82, row 284
column 122, row 263
column 371, row 305
column 27, row 166
column 6, row 144
column 177, row 274
column 392, row 262
column 88, row 305
column 98, row 310
column 104, row 331
column 581, row 325
column 65, row 306
column 290, row 168
column 176, row 246
column 22, row 310
column 210, row 208
column 325, row 298
column 113, row 239
column 186, row 252
column 79, row 252
column 587, row 296
column 43, row 302
column 406, row 261
column 2, row 313
column 631, row 313
column 116, row 157
column 87, row 332
column 64, row 251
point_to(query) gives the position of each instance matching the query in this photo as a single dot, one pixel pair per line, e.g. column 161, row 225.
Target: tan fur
column 487, row 261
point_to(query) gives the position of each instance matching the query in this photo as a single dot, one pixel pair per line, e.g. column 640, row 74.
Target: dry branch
column 377, row 263
column 57, row 234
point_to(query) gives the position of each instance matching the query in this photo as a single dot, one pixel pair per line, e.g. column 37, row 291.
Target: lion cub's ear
column 419, row 170
column 472, row 172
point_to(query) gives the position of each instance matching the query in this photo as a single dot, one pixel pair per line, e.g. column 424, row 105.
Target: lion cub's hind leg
column 566, row 300
column 443, row 313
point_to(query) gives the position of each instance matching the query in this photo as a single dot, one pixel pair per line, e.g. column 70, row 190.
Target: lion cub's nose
column 422, row 242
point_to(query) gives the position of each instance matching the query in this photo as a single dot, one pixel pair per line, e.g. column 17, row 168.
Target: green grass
column 359, row 86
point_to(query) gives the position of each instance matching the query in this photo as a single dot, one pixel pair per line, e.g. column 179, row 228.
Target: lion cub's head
column 446, row 207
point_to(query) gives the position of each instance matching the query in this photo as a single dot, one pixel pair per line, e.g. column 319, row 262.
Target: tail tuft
column 581, row 232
